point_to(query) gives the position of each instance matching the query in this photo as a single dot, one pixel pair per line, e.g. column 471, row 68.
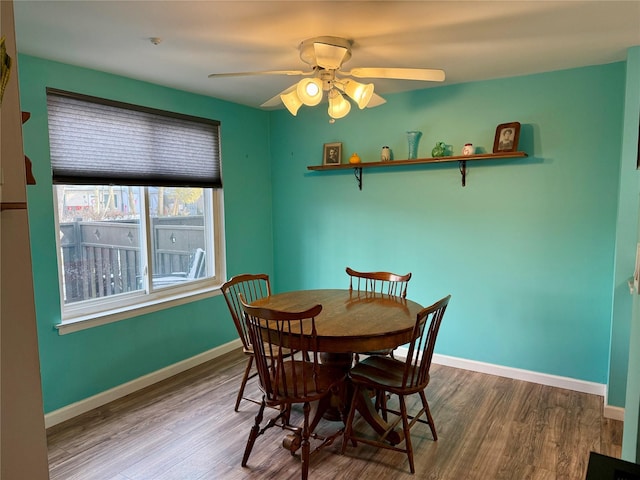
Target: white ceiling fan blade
column 276, row 100
column 376, row 101
column 425, row 74
column 265, row 72
column 328, row 56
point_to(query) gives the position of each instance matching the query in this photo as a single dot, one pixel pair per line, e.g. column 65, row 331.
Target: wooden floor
column 489, row 428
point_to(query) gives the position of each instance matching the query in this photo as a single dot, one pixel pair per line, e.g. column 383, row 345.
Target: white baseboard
column 82, row 406
column 519, row 374
column 615, row 413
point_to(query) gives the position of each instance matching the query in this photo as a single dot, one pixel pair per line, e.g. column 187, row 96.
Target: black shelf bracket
column 357, row 171
column 462, row 165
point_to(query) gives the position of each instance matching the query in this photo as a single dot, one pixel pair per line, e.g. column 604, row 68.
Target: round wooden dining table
column 353, row 322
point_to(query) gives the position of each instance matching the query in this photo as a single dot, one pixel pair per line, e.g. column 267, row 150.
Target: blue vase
column 413, row 138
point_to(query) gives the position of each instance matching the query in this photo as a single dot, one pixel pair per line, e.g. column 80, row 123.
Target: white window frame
column 96, row 312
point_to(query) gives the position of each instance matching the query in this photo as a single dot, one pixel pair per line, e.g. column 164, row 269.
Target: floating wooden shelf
column 462, row 160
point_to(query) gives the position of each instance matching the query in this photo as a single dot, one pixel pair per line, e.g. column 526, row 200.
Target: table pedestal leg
column 343, row 362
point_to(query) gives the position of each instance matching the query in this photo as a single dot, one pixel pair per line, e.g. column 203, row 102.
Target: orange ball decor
column 354, row 158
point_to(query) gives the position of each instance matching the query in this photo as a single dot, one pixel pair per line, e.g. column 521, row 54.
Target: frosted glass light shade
column 338, row 105
column 309, row 91
column 291, row 101
column 361, row 93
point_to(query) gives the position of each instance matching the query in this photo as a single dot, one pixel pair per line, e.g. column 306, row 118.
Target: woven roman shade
column 100, row 142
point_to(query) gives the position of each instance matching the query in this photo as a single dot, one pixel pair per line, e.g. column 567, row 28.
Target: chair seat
column 307, row 386
column 380, row 372
column 385, row 351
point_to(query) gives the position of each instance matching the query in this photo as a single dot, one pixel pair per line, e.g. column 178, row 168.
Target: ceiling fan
column 325, row 56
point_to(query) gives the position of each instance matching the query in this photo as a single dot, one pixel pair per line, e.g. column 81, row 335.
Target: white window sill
column 84, row 322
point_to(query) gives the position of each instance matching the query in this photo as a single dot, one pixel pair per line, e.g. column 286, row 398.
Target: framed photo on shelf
column 332, row 154
column 507, row 136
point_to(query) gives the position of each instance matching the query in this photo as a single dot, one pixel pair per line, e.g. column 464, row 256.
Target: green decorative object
column 440, row 150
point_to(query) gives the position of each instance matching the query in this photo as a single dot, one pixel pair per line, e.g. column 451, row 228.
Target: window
column 138, row 196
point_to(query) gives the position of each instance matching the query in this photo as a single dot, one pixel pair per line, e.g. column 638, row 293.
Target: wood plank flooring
column 489, row 428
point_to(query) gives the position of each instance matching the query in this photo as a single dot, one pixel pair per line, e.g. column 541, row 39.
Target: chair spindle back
column 420, row 353
column 379, row 282
column 252, row 287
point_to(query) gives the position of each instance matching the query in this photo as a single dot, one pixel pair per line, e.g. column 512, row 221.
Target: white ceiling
column 470, row 40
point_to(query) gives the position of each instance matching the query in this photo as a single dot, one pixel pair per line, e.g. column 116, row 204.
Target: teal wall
column 81, row 364
column 526, row 248
column 627, row 334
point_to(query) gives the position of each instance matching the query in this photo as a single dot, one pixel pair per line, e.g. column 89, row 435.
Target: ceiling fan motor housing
column 308, row 49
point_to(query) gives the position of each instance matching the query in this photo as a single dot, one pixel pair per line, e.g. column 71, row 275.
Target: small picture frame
column 507, row 136
column 332, row 154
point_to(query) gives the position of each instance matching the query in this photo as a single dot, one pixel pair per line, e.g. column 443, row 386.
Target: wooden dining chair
column 381, row 282
column 252, row 287
column 378, row 282
column 401, row 378
column 290, row 372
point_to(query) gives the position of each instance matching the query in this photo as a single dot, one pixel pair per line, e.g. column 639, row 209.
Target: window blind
column 97, row 141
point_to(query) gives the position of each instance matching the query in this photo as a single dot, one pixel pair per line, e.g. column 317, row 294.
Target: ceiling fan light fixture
column 338, row 105
column 309, row 91
column 361, row 93
column 291, row 101
column 325, row 57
